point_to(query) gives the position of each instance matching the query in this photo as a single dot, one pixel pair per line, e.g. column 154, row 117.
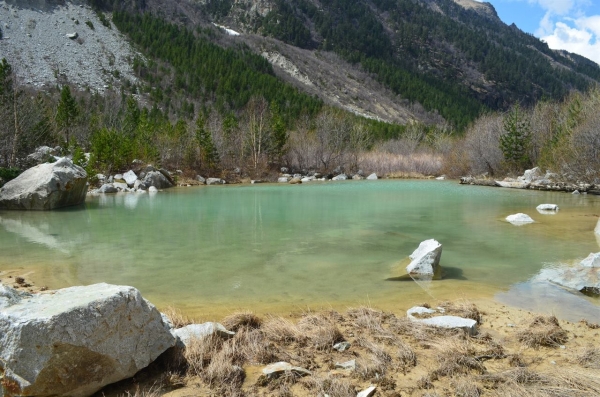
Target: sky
column 572, row 25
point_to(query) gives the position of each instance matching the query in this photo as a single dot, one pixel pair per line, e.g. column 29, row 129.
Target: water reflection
column 45, row 228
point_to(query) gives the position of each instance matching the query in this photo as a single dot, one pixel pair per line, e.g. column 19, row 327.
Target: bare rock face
column 426, row 258
column 46, row 187
column 74, row 341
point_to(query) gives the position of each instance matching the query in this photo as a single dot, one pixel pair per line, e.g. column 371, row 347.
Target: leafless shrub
column 330, row 385
column 543, row 331
column 243, row 319
column 482, row 143
column 416, row 164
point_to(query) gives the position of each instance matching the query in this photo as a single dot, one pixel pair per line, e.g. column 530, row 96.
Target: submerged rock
column 593, row 260
column 547, row 207
column 426, row 258
column 46, row 187
column 519, row 219
column 74, row 341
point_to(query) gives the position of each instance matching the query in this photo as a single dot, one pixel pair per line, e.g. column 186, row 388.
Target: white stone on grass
column 519, row 219
column 467, row 324
column 425, row 258
column 367, row 392
column 199, row 331
column 418, row 311
column 351, row 365
column 275, row 369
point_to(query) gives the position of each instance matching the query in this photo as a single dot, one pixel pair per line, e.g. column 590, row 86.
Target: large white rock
column 597, row 229
column 340, row 177
column 425, row 258
column 372, row 177
column 519, row 219
column 130, row 177
column 74, row 341
column 46, row 187
column 593, row 260
column 215, row 181
column 532, row 175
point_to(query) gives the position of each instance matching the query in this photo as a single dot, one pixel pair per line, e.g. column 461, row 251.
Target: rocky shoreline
column 534, row 180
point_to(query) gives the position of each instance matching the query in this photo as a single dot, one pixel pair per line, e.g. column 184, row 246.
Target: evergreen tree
column 279, row 133
column 208, row 150
column 516, row 139
column 66, row 112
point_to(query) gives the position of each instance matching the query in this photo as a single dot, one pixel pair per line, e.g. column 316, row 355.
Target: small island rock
column 426, row 258
column 519, row 219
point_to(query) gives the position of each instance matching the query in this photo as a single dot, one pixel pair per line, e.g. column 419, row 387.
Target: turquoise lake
column 281, row 248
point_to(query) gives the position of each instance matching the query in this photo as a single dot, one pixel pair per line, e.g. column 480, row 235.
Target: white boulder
column 519, row 219
column 372, row 177
column 45, row 187
column 340, row 177
column 283, row 179
column 130, row 177
column 215, row 181
column 433, row 319
column 592, row 260
column 532, row 175
column 513, row 184
column 426, row 258
column 547, row 207
column 74, row 341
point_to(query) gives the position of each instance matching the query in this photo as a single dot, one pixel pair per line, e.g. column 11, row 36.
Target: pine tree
column 66, row 112
column 208, row 150
column 516, row 139
column 279, row 133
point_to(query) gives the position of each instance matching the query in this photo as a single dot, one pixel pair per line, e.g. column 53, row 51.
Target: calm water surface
column 212, row 250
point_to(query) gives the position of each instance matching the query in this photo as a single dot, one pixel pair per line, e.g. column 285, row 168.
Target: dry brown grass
column 199, row 353
column 177, row 318
column 243, row 319
column 281, row 330
column 456, row 357
column 331, row 385
column 464, row 309
column 466, row 387
column 589, row 357
column 543, row 331
column 322, row 332
column 406, row 357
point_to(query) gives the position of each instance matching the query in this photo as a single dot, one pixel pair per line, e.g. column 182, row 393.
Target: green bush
column 8, row 174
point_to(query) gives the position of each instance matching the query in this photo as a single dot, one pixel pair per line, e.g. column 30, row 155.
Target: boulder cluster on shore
column 533, row 179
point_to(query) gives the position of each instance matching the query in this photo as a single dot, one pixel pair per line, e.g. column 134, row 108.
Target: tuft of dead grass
column 199, row 353
column 176, row 317
column 463, row 309
column 466, row 387
column 589, row 357
column 281, row 330
column 406, row 357
column 321, row 331
column 455, row 357
column 244, row 319
column 543, row 331
column 331, row 385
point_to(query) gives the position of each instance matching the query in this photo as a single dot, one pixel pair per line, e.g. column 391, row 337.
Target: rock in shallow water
column 46, row 187
column 74, row 341
column 519, row 219
column 426, row 258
